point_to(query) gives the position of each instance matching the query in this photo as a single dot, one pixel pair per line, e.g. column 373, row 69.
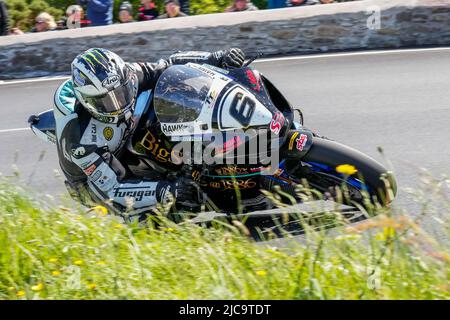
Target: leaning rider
column 99, row 98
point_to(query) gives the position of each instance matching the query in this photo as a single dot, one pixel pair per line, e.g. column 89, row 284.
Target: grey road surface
column 397, row 100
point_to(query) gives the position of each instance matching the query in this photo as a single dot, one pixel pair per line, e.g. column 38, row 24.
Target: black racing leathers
column 90, row 151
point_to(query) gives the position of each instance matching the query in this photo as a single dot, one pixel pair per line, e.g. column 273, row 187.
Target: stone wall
column 310, row 29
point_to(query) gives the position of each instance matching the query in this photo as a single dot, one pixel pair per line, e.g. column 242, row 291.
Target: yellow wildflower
column 346, row 169
column 91, row 286
column 118, row 226
column 388, row 232
column 78, row 262
column 20, row 293
column 56, row 273
column 101, row 263
column 37, row 287
column 100, row 210
column 52, row 260
column 261, row 273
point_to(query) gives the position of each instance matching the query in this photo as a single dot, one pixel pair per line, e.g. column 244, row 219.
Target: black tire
column 332, row 154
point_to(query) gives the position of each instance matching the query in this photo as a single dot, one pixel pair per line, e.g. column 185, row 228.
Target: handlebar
column 251, row 59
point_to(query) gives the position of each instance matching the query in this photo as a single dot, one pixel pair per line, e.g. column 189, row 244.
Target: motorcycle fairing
column 185, row 109
column 43, row 126
column 240, row 109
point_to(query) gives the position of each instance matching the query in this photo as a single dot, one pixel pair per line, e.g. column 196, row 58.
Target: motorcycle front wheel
column 328, row 162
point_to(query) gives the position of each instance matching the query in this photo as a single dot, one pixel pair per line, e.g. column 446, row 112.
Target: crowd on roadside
column 100, row 13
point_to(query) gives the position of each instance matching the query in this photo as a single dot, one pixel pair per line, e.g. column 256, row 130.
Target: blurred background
column 21, row 14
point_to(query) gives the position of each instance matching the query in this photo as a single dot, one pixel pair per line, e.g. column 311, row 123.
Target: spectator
column 4, row 27
column 44, row 22
column 61, row 24
column 241, row 5
column 99, row 12
column 125, row 12
column 15, row 32
column 184, row 6
column 298, row 3
column 275, row 4
column 74, row 19
column 147, row 11
column 172, row 8
column 326, row 1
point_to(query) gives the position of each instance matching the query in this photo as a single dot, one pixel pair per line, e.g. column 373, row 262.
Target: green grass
column 51, row 252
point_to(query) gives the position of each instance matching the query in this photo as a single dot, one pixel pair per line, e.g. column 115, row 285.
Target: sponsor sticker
column 291, row 142
column 211, row 98
column 89, row 170
column 107, row 119
column 86, row 164
column 277, row 123
column 205, row 70
column 133, row 192
column 79, row 152
column 220, row 70
column 259, row 169
column 150, row 143
column 301, row 142
column 231, row 171
column 230, row 144
column 94, row 132
column 254, row 83
column 108, row 133
column 96, row 175
column 101, row 182
column 234, row 184
column 111, row 81
column 170, row 128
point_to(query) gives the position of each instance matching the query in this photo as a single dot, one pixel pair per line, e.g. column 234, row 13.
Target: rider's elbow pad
column 115, row 165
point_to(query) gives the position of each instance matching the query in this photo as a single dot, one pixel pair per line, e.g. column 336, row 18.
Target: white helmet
column 104, row 84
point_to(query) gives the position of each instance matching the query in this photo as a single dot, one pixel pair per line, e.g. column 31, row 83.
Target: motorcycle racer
column 93, row 113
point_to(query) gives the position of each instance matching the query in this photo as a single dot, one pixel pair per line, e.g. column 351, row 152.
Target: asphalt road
column 397, row 100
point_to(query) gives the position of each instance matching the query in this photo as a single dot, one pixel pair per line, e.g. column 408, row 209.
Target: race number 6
column 242, row 109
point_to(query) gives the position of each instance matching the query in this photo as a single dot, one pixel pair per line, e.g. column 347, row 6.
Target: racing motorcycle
column 206, row 108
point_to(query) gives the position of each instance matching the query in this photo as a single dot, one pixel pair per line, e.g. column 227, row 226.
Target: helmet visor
column 114, row 102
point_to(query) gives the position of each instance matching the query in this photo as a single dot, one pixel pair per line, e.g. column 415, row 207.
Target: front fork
column 297, row 144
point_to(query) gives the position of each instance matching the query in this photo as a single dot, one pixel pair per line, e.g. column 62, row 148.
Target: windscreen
column 180, row 93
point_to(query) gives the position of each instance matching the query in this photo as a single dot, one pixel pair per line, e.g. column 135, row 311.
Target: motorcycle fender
column 298, row 143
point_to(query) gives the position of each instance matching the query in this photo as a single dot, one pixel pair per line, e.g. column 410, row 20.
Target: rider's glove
column 188, row 195
column 233, row 58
